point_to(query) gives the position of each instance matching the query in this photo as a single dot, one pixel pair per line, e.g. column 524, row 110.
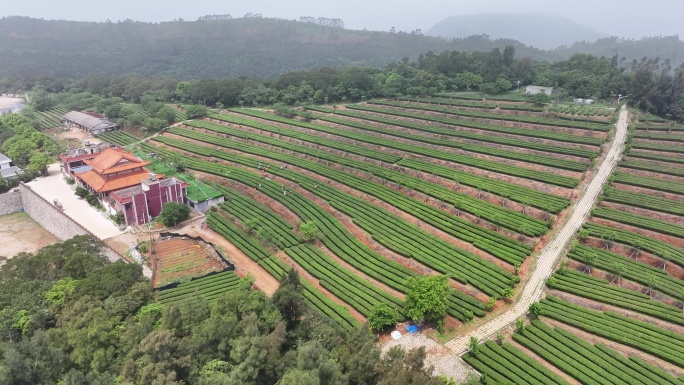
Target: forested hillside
column 523, row 27
column 253, row 47
column 71, row 317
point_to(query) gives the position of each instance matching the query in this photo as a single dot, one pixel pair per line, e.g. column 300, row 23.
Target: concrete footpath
column 53, row 187
column 554, row 250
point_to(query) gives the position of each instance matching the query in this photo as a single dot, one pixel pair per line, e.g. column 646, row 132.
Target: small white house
column 7, row 169
column 203, row 205
column 583, row 101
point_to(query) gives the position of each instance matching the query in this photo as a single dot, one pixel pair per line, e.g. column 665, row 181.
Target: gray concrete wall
column 10, row 202
column 50, row 217
column 56, row 221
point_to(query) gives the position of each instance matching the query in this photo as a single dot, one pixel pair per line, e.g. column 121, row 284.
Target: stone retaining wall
column 10, row 202
column 55, row 220
column 50, row 217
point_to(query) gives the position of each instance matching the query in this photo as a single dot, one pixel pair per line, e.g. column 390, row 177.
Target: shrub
column 382, row 317
column 92, row 200
column 174, row 213
column 81, row 192
column 143, row 247
column 195, row 111
column 118, row 218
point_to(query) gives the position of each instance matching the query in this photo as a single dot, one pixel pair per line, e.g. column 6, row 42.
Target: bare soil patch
column 648, row 213
column 646, row 191
column 644, row 257
column 243, row 264
column 178, row 258
column 653, row 174
column 598, row 306
column 675, row 241
column 21, row 234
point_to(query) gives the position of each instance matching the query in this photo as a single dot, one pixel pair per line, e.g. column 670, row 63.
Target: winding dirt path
column 554, row 250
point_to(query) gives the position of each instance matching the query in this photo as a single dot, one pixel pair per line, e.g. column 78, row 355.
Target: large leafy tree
column 174, row 213
column 426, row 299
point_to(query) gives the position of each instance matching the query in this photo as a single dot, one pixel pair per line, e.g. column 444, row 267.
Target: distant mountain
column 540, row 30
column 255, row 47
column 252, row 46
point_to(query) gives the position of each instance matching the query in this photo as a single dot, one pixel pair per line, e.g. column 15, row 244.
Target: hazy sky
column 628, row 18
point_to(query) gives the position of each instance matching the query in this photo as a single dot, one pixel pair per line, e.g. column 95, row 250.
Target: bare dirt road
column 554, row 250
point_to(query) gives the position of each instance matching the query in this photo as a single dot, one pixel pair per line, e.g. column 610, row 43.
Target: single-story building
column 583, row 101
column 533, row 90
column 11, row 108
column 87, row 122
column 7, row 169
column 203, row 204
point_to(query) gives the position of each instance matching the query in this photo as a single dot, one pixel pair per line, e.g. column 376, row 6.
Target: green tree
column 382, row 317
column 38, row 163
column 167, row 114
column 540, row 98
column 503, row 84
column 406, row 368
column 300, row 377
column 288, row 299
column 196, row 111
column 426, row 299
column 309, row 230
column 182, row 90
column 19, row 149
column 174, row 213
column 618, row 271
column 469, row 80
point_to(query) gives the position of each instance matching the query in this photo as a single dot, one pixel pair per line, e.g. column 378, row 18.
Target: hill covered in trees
column 257, row 47
column 71, row 317
column 523, row 27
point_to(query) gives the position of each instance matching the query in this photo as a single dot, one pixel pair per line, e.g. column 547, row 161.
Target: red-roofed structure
column 124, row 185
column 143, row 202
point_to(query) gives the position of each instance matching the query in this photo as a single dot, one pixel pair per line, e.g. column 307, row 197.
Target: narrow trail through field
column 553, row 251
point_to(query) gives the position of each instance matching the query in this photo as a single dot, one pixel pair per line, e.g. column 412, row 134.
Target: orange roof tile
column 111, row 160
column 100, row 184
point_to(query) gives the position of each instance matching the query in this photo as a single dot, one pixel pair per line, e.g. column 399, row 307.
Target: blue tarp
column 81, row 169
column 412, row 329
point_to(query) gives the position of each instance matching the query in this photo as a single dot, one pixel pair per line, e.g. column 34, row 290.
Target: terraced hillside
column 393, row 196
column 614, row 311
column 51, row 118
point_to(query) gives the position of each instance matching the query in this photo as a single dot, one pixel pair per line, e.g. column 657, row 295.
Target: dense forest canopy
column 651, row 84
column 70, row 317
column 256, row 47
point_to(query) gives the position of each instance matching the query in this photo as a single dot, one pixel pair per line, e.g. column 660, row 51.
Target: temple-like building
column 123, row 184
